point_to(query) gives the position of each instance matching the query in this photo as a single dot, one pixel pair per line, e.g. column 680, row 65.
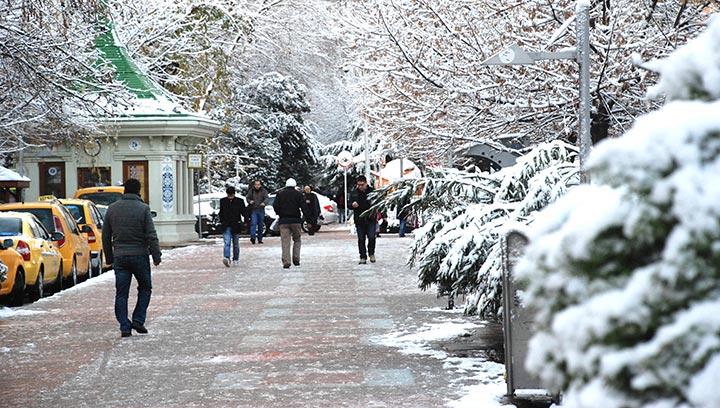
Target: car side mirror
column 57, row 236
column 153, row 214
column 7, row 243
column 86, row 229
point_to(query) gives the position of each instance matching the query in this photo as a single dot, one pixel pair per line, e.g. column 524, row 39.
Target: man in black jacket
column 231, row 213
column 366, row 226
column 313, row 205
column 128, row 236
column 288, row 204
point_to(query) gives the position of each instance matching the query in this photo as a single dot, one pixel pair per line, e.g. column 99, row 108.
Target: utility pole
column 367, row 155
column 582, row 21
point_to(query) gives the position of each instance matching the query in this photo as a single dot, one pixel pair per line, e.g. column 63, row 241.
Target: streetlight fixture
column 514, row 55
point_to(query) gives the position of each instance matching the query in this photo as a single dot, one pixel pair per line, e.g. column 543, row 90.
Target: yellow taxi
column 87, row 214
column 73, row 247
column 12, row 288
column 42, row 262
column 101, row 195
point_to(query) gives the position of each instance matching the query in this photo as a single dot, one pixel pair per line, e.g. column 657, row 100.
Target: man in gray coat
column 129, row 237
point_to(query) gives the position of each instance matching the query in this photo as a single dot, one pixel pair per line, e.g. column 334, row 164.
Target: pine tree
column 267, row 133
column 625, row 273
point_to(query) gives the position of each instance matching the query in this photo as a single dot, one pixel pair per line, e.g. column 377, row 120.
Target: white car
column 328, row 209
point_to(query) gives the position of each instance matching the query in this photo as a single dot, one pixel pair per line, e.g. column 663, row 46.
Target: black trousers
column 366, row 231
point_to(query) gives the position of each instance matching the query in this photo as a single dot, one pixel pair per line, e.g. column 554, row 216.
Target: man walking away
column 231, row 212
column 288, row 204
column 128, row 238
column 366, row 225
column 257, row 198
column 313, row 206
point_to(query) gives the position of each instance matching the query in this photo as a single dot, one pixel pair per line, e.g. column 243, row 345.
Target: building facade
column 149, row 141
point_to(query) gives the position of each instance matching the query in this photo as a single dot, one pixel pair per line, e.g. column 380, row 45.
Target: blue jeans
column 234, row 239
column 125, row 268
column 366, row 231
column 401, row 232
column 257, row 223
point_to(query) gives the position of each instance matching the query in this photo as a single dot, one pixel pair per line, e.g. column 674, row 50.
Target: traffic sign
column 345, row 159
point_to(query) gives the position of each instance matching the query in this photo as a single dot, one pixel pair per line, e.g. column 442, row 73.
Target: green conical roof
column 125, row 70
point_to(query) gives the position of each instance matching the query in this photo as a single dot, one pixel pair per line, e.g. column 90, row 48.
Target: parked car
column 101, row 195
column 328, row 211
column 3, row 271
column 208, row 206
column 86, row 214
column 42, row 262
column 103, row 210
column 12, row 289
column 73, row 247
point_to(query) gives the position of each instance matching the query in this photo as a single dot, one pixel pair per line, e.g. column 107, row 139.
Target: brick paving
column 256, row 335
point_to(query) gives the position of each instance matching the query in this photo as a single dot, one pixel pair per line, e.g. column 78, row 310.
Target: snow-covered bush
column 625, row 273
column 458, row 249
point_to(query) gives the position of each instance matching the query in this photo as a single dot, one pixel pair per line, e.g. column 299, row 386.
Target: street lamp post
column 515, row 55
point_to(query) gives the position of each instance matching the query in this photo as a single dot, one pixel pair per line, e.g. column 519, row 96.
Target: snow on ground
column 6, row 312
column 487, row 383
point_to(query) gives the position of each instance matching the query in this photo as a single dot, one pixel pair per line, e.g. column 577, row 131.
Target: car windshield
column 77, row 213
column 42, row 214
column 104, row 198
column 10, row 227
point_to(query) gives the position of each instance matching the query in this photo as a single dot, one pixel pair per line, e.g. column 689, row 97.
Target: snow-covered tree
column 331, row 174
column 458, row 249
column 423, row 85
column 625, row 273
column 52, row 79
column 267, row 131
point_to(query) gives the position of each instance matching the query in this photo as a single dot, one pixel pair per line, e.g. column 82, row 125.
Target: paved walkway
column 251, row 336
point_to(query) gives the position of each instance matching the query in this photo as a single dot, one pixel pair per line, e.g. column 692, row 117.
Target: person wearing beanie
column 290, row 207
column 231, row 214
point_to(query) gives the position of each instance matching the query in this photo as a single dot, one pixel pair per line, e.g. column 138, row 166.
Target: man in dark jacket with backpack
column 288, row 205
column 366, row 225
column 232, row 210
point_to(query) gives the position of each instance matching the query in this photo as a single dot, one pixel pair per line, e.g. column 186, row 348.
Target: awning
column 12, row 179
